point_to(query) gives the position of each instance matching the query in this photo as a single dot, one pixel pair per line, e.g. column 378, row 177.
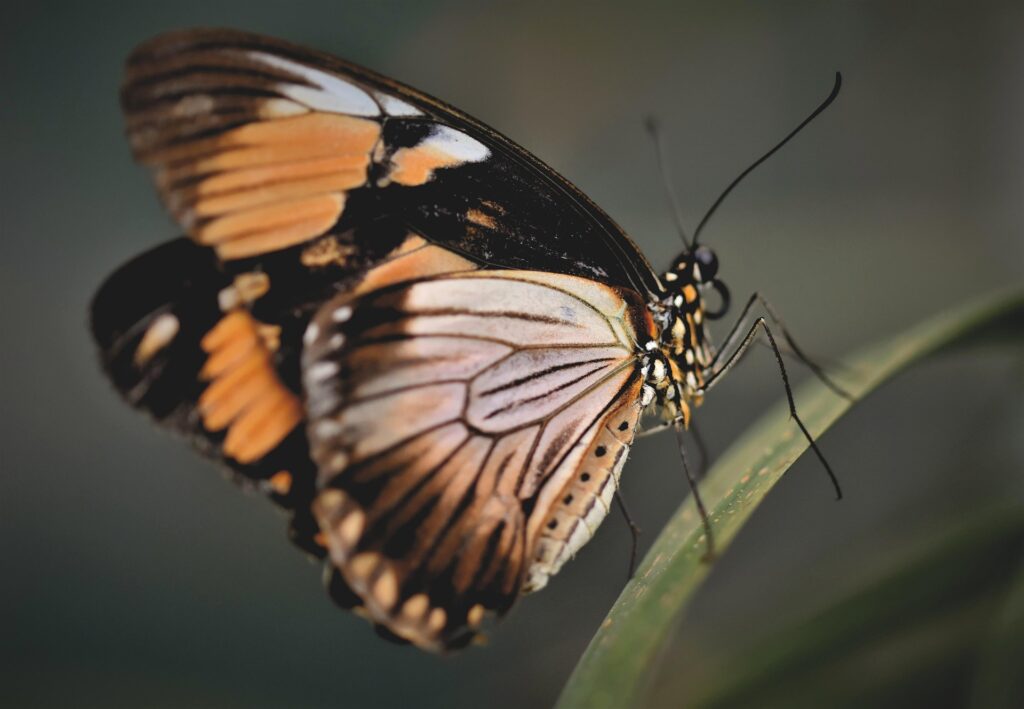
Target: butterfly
column 425, row 344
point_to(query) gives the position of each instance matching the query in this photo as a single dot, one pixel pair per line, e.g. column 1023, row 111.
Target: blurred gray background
column 135, row 575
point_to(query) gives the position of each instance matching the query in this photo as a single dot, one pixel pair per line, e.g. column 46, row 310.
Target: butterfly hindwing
column 449, row 418
column 179, row 342
column 176, row 346
column 215, row 356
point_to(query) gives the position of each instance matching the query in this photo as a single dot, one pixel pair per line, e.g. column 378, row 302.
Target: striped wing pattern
column 256, row 149
column 449, row 418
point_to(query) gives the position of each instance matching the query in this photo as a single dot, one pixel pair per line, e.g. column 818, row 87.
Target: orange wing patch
column 415, row 166
column 414, row 258
column 327, row 251
column 444, row 147
column 267, row 185
column 245, row 395
column 480, row 218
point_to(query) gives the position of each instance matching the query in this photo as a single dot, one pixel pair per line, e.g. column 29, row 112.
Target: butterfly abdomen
column 585, row 499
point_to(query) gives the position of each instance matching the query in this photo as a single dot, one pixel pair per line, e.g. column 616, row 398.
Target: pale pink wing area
column 449, row 419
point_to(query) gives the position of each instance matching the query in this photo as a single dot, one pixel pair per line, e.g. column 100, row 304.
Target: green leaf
column 999, row 683
column 909, row 632
column 616, row 668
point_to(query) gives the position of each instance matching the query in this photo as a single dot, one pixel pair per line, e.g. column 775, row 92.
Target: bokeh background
column 135, row 575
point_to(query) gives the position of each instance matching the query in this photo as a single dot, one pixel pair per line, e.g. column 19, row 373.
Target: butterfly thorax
column 676, row 362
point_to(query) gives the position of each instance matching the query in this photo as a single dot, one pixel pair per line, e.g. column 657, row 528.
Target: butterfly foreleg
column 698, row 440
column 737, row 354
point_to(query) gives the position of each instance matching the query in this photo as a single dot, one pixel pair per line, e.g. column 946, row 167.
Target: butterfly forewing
column 452, row 418
column 258, row 147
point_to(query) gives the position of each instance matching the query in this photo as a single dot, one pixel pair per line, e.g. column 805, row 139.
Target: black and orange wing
column 258, row 146
column 468, row 431
column 177, row 348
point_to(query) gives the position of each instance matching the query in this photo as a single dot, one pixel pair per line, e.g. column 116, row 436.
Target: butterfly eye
column 707, row 263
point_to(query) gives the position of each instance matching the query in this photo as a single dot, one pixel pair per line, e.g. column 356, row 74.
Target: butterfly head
column 695, row 271
column 694, row 274
column 698, row 266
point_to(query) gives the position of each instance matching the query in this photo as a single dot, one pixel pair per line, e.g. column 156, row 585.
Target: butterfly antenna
column 725, row 193
column 651, row 124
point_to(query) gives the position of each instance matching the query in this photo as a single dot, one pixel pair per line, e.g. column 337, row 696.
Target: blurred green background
column 134, row 575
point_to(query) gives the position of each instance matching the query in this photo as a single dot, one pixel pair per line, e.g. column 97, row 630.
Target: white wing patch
column 396, row 107
column 328, row 93
column 457, row 144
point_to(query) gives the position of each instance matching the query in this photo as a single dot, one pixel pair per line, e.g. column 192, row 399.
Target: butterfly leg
column 634, row 531
column 709, row 553
column 698, row 440
column 737, row 354
column 702, row 450
column 734, row 334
